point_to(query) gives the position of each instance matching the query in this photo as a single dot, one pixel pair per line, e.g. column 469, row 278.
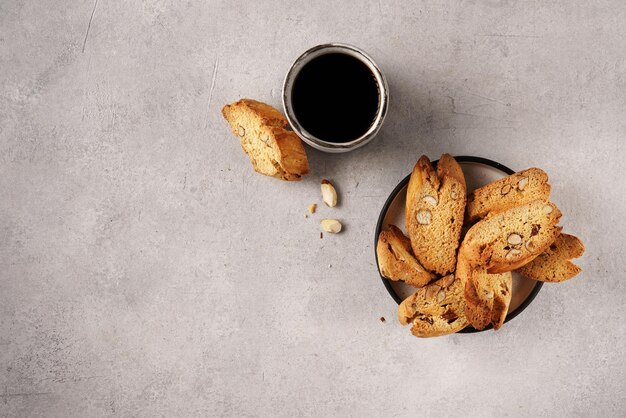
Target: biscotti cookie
column 505, row 193
column 507, row 240
column 487, row 296
column 435, row 310
column 435, row 205
column 554, row 265
column 273, row 150
column 396, row 259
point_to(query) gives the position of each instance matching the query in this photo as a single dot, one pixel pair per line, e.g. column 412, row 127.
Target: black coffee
column 335, row 97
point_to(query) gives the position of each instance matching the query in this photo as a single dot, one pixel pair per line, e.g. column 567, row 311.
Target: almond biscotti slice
column 273, row 150
column 435, row 204
column 487, row 296
column 554, row 265
column 507, row 240
column 514, row 190
column 396, row 259
column 435, row 310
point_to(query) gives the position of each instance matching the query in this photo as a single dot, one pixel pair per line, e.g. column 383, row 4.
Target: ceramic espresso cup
column 335, row 97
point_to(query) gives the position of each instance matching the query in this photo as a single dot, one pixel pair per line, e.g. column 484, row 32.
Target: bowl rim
column 379, row 225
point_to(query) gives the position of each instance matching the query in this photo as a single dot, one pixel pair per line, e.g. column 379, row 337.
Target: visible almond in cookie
column 424, row 216
column 431, row 200
column 435, row 310
column 554, row 265
column 273, row 150
column 508, row 192
column 435, row 206
column 396, row 259
column 487, row 296
column 432, row 291
column 547, row 209
column 521, row 185
column 514, row 239
column 512, row 254
column 446, row 280
column 488, row 242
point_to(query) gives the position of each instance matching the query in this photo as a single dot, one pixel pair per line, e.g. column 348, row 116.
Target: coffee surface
column 335, row 97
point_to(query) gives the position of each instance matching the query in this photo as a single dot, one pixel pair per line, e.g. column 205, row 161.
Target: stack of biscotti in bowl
column 462, row 248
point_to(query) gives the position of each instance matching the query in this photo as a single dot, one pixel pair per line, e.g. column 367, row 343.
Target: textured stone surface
column 145, row 270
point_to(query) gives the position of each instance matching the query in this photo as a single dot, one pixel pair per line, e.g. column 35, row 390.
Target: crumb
column 330, row 265
column 321, row 235
column 382, row 319
column 306, row 216
column 312, row 207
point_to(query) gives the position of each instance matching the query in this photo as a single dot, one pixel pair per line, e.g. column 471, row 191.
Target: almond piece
column 530, row 245
column 431, row 200
column 242, row 131
column 547, row 209
column 454, row 192
column 423, row 217
column 441, row 295
column 512, row 254
column 329, row 194
column 447, row 280
column 331, row 225
column 522, row 183
column 431, row 291
column 514, row 239
column 505, row 189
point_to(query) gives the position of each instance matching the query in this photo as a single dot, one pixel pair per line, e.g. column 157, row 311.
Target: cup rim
column 379, row 226
column 383, row 90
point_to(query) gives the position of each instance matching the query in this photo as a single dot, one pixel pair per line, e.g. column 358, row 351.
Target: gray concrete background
column 146, row 270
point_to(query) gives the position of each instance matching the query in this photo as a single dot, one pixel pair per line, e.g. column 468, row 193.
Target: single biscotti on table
column 435, row 204
column 487, row 296
column 273, row 150
column 554, row 265
column 507, row 240
column 435, row 310
column 396, row 259
column 505, row 193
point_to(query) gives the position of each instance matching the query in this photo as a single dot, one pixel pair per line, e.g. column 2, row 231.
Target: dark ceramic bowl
column 478, row 172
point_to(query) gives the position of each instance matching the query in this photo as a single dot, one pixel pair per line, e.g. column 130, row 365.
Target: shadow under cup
column 335, row 97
